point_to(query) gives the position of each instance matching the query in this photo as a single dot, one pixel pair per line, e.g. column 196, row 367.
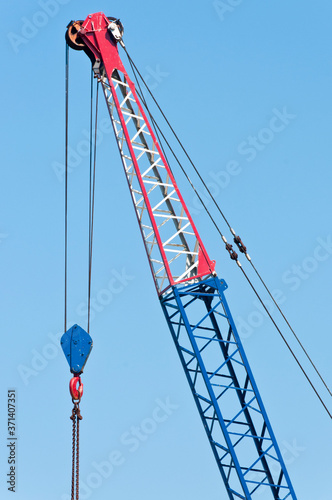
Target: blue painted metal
column 76, row 344
column 225, row 392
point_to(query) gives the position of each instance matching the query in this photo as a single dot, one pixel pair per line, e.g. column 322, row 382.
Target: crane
column 191, row 294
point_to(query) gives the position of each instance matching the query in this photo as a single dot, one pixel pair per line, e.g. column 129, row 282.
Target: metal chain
column 75, row 417
column 78, row 418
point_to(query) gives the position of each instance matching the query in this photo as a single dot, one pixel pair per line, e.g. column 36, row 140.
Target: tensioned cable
column 93, row 152
column 90, row 193
column 66, row 178
column 232, row 231
column 255, row 291
column 175, row 135
column 224, row 239
column 93, row 156
column 183, row 170
column 156, row 128
column 289, row 347
column 291, row 329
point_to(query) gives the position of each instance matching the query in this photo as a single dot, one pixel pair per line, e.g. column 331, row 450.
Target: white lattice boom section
column 172, row 243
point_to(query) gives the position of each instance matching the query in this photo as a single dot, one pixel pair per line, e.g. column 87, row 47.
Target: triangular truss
column 174, row 248
column 225, row 392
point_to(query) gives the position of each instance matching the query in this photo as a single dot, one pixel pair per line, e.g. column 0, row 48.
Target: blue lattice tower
column 225, row 391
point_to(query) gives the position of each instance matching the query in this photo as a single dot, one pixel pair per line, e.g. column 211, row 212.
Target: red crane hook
column 76, row 392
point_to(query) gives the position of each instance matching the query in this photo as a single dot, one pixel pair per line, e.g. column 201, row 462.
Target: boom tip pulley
column 77, row 28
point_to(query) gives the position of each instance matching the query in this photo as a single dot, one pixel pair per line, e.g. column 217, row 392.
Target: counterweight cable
column 237, row 240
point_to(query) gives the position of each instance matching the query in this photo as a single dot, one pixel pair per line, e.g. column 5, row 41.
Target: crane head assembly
column 111, row 28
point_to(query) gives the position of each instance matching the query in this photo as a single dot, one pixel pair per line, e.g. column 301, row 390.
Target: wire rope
column 287, row 344
column 90, row 195
column 93, row 155
column 229, row 247
column 92, row 184
column 66, row 181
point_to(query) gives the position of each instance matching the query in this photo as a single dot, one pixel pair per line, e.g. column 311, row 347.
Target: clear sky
column 247, row 86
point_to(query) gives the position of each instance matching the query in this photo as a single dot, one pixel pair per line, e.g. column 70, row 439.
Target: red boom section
column 174, row 248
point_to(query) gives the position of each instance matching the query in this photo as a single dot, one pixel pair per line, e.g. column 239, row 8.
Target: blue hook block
column 76, row 344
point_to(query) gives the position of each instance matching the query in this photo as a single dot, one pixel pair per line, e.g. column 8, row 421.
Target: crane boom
column 191, row 295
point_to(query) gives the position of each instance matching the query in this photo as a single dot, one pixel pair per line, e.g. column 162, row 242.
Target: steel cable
column 232, row 231
column 92, row 183
column 66, row 179
column 291, row 329
column 90, row 193
column 284, row 339
column 157, row 128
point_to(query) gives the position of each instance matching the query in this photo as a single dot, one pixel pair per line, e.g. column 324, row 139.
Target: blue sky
column 247, row 86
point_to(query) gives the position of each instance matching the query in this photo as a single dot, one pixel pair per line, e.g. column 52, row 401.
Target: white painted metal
column 160, row 211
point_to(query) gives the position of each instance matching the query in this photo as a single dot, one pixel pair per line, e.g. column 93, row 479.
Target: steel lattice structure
column 225, row 391
column 191, row 294
column 174, row 248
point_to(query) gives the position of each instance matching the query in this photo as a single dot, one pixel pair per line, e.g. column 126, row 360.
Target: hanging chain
column 75, row 417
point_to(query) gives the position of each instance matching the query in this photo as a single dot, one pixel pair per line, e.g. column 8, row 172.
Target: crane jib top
column 175, row 250
column 191, row 295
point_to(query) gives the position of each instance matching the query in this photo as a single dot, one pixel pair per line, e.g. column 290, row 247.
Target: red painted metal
column 76, row 388
column 95, row 35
